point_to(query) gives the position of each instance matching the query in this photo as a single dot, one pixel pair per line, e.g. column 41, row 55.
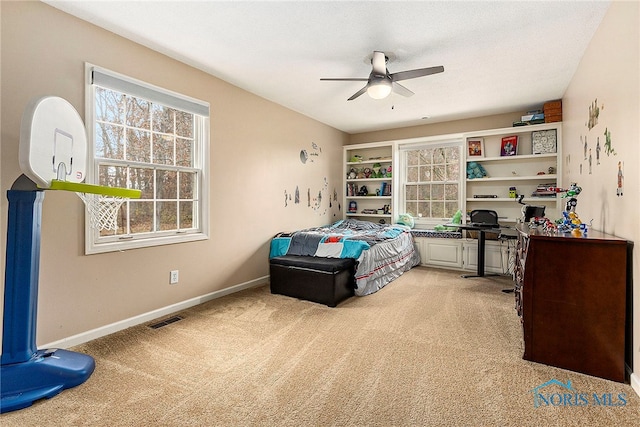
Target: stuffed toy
column 475, row 170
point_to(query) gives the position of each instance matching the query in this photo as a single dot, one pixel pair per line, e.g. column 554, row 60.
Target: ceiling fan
column 380, row 82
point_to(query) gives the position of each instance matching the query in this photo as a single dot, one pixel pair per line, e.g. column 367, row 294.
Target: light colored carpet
column 430, row 349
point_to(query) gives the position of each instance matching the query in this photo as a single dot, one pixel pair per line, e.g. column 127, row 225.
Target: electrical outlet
column 173, row 277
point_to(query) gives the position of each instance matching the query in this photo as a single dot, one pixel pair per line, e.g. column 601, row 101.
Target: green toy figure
column 456, row 219
column 376, row 171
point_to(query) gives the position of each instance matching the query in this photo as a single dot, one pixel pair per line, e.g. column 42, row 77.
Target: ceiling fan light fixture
column 379, row 90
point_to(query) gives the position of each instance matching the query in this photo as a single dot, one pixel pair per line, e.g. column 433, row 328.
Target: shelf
column 370, row 162
column 545, row 177
column 372, row 215
column 368, row 197
column 512, row 158
column 513, row 130
column 380, row 195
column 368, row 179
column 510, row 199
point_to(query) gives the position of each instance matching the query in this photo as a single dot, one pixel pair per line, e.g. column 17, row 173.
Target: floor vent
column 165, row 322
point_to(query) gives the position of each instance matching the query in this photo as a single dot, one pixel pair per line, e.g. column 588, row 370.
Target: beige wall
column 456, row 126
column 255, row 158
column 610, row 73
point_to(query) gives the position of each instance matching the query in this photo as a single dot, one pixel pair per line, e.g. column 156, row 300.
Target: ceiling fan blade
column 358, row 93
column 354, row 79
column 412, row 74
column 379, row 63
column 401, row 90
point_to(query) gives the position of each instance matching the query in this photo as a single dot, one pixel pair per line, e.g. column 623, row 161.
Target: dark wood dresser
column 573, row 296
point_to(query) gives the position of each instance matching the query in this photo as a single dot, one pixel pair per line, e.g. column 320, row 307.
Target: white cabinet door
column 495, row 257
column 440, row 252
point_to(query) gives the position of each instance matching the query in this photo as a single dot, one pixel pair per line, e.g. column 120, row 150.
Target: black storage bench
column 323, row 280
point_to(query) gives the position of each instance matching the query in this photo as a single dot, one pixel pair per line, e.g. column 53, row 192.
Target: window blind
column 114, row 81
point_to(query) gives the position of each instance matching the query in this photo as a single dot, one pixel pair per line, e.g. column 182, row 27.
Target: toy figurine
column 571, row 223
column 475, row 170
column 376, row 171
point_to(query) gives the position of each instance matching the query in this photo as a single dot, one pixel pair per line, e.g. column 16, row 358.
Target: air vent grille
column 165, row 322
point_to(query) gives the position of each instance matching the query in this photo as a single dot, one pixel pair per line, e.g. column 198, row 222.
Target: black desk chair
column 484, row 218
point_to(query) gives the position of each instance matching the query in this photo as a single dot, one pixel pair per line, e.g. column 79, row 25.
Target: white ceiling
column 498, row 56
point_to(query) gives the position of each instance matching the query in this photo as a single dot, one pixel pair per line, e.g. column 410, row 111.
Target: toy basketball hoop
column 103, row 210
column 102, row 203
column 53, row 154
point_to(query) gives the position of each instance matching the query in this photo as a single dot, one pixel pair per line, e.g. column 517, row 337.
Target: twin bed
column 382, row 252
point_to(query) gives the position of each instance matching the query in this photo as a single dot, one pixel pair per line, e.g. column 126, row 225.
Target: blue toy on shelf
column 475, row 170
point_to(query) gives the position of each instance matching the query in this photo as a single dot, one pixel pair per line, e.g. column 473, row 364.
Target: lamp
column 380, row 89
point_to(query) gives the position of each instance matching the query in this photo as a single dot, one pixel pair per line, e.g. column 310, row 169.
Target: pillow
column 406, row 219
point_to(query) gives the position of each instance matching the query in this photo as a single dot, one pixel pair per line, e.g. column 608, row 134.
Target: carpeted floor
column 430, row 349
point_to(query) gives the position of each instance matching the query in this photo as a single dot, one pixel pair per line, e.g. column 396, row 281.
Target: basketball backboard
column 53, row 142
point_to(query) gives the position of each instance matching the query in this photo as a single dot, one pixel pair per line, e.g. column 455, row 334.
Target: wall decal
column 620, row 188
column 607, row 145
column 594, row 113
column 598, row 151
column 307, row 156
column 285, row 198
column 317, row 201
column 297, row 199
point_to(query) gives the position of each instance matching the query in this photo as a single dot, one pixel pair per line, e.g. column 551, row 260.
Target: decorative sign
column 475, row 147
column 544, row 141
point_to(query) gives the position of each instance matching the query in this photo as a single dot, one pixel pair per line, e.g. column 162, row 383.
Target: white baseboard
column 635, row 383
column 146, row 317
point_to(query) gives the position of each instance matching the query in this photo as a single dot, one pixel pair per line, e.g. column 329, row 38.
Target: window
column 153, row 140
column 432, row 181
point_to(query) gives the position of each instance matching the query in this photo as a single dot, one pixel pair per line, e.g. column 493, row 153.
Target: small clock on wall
column 544, row 141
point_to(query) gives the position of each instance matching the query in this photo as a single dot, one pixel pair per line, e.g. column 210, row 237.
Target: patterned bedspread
column 383, row 252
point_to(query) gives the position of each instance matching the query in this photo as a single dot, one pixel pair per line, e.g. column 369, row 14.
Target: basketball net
column 103, row 210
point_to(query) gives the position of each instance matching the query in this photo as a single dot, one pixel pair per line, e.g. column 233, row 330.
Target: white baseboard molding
column 635, row 383
column 146, row 317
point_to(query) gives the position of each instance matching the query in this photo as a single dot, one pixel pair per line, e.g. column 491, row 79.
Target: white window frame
column 94, row 243
column 430, row 142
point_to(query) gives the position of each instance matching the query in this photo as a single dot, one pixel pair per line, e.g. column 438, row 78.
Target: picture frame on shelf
column 509, row 146
column 475, row 147
column 544, row 141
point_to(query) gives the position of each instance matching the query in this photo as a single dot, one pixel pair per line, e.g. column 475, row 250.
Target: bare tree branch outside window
column 147, row 146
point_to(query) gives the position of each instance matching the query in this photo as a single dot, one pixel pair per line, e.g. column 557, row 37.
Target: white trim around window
column 198, row 227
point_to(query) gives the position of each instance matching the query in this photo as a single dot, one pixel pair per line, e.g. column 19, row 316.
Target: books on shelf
column 384, row 190
column 509, row 145
column 543, row 191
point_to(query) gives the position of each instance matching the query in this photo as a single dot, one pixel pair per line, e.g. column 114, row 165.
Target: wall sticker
column 620, row 179
column 595, row 130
